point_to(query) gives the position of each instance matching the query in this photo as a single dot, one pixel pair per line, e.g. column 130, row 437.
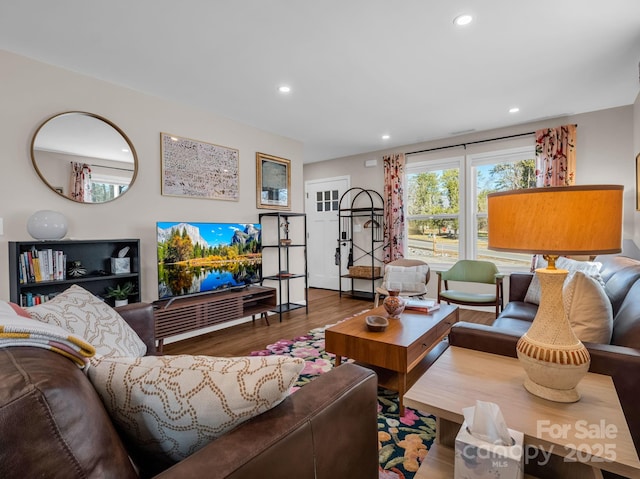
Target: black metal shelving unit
column 363, row 209
column 285, row 246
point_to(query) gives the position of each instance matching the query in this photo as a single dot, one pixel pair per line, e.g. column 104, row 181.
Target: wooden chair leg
column 263, row 315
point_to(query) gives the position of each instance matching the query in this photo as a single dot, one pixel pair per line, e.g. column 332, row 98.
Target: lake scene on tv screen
column 196, row 258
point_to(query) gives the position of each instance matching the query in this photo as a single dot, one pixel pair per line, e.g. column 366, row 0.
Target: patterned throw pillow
column 588, row 308
column 78, row 311
column 171, row 406
column 590, row 268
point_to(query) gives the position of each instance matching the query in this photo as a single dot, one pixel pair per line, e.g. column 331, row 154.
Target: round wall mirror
column 84, row 157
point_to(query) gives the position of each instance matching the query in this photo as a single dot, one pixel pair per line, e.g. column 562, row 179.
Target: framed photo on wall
column 273, row 182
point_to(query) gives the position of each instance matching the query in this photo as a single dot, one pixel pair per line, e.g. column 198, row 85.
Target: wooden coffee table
column 397, row 353
column 583, row 438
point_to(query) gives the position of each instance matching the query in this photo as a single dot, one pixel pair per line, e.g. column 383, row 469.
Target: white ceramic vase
column 47, row 225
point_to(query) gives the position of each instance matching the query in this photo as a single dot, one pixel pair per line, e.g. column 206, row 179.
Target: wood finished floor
column 325, row 306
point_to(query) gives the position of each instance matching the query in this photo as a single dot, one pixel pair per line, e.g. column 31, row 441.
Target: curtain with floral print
column 80, row 182
column 393, row 207
column 556, row 156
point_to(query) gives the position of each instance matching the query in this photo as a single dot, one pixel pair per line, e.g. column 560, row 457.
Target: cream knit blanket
column 20, row 331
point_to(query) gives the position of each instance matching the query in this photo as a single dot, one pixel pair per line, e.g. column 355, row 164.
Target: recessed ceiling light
column 125, row 150
column 515, row 109
column 386, row 137
column 462, row 20
column 284, row 89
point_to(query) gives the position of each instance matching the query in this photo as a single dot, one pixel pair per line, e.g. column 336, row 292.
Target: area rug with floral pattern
column 403, row 442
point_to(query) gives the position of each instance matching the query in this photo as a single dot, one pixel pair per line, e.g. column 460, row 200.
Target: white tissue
column 123, row 252
column 485, row 422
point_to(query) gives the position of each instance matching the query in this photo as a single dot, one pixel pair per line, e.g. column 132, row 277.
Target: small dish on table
column 376, row 324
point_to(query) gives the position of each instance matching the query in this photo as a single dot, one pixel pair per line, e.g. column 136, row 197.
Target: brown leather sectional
column 53, row 425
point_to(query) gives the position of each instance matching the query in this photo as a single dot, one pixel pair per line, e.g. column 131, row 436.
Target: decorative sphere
column 47, row 225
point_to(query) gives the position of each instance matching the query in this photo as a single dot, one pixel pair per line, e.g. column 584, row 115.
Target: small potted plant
column 121, row 293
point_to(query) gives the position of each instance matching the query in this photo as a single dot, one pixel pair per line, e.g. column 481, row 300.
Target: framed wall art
column 199, row 170
column 273, row 182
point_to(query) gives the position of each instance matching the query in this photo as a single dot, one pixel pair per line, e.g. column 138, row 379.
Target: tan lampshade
column 559, row 220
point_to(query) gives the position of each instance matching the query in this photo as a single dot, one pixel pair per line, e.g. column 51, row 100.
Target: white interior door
column 322, row 200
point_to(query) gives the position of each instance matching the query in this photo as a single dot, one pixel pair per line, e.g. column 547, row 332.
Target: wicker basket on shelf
column 366, row 272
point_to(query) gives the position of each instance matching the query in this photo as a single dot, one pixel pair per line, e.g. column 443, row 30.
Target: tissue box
column 478, row 459
column 120, row 265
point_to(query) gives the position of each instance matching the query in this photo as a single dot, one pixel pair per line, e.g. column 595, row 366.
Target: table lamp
column 555, row 221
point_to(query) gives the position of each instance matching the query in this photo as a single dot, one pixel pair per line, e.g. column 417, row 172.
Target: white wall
column 31, row 92
column 605, row 154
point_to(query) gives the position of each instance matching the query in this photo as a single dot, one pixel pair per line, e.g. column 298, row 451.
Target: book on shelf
column 42, row 265
column 33, row 299
column 424, row 305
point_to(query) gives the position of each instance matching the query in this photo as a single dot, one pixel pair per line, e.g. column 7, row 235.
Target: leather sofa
column 620, row 359
column 53, row 425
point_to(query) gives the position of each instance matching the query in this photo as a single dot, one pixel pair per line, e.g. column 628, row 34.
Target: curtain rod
column 110, row 167
column 107, row 167
column 471, row 143
column 517, row 135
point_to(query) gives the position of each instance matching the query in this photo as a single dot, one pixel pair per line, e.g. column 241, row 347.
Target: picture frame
column 638, row 182
column 196, row 169
column 273, row 182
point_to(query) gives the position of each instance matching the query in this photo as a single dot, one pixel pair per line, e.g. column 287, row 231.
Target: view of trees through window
column 433, row 213
column 437, row 214
column 101, row 192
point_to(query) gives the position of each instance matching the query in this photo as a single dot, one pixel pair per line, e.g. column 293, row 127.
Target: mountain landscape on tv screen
column 201, row 257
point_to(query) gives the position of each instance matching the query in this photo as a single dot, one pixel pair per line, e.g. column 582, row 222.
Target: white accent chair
column 409, row 276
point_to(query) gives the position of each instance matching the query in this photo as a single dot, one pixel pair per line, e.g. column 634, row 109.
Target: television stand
column 181, row 315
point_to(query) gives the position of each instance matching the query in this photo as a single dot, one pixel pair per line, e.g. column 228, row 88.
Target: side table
column 568, row 440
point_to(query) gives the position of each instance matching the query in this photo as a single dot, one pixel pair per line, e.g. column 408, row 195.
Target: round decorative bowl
column 376, row 324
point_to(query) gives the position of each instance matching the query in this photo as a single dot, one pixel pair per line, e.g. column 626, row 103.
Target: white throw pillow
column 588, row 309
column 78, row 311
column 591, row 268
column 406, row 278
column 171, row 406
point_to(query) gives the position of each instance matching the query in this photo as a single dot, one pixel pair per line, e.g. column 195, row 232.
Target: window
column 434, row 210
column 447, row 221
column 101, row 192
column 107, row 187
column 327, row 200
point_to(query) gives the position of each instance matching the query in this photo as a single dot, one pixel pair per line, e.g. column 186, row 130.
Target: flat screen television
column 196, row 258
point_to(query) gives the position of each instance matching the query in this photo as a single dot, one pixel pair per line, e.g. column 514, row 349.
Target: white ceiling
column 357, row 68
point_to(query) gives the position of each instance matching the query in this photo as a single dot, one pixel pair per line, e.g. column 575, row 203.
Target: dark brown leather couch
column 620, row 359
column 53, row 425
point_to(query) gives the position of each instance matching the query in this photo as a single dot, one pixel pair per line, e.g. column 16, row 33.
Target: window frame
column 467, row 163
column 456, row 161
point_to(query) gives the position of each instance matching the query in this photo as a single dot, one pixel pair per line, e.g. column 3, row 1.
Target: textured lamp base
column 552, row 356
column 553, row 381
